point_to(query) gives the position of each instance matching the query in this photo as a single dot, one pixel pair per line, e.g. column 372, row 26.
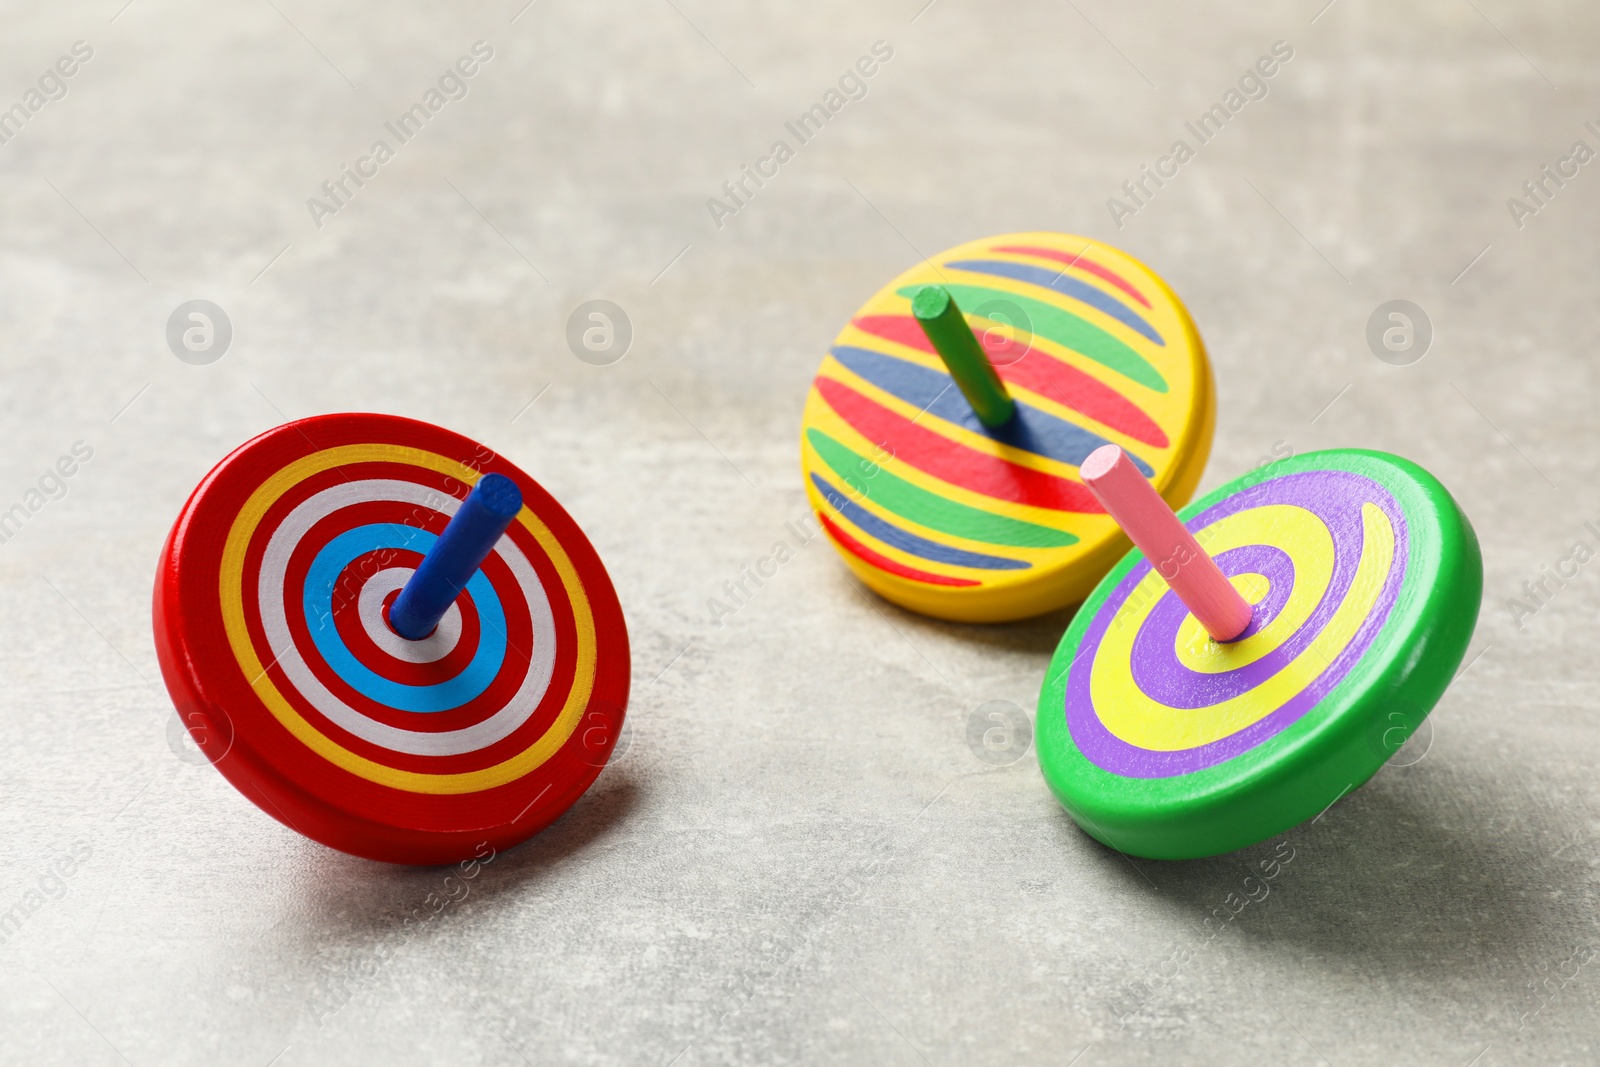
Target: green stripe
column 1062, row 327
column 913, row 502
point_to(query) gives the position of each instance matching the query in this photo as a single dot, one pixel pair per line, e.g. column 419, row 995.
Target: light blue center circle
column 442, row 696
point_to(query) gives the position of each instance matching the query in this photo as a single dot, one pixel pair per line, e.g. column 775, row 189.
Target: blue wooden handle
column 455, row 557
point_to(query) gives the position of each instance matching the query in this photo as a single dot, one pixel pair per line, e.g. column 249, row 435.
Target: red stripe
column 1078, row 261
column 953, row 462
column 1044, row 374
column 884, row 563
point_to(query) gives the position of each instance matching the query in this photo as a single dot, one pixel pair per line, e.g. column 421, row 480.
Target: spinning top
column 942, row 437
column 390, row 638
column 1165, row 735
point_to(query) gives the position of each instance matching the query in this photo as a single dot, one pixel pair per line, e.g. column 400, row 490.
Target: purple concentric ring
column 1157, row 670
column 1336, row 497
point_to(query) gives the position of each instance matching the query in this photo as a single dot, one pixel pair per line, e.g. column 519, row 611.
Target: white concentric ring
column 369, row 608
column 270, row 591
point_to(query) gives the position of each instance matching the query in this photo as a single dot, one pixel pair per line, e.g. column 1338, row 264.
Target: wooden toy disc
column 1365, row 580
column 270, row 628
column 945, row 517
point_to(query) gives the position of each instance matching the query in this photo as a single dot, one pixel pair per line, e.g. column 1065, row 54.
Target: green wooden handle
column 936, row 312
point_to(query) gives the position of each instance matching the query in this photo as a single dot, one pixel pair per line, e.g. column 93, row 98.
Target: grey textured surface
column 798, row 858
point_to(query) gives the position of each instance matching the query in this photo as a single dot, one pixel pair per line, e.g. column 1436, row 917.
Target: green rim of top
column 1331, row 749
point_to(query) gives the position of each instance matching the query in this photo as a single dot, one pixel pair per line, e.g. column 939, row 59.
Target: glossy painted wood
column 945, row 515
column 1367, row 580
column 269, row 630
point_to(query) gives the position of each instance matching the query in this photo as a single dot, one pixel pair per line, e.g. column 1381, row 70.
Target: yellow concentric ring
column 1131, row 716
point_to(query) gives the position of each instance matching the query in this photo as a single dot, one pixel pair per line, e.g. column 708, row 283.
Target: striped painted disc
column 1365, row 581
column 943, row 516
column 271, row 629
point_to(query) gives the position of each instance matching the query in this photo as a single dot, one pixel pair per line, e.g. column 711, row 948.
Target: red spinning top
column 272, row 626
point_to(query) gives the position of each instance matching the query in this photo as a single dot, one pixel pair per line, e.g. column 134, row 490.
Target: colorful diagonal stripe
column 893, row 493
column 908, row 542
column 1037, row 371
column 1057, row 281
column 884, row 563
column 952, row 461
column 1093, row 349
column 1030, row 429
column 1063, row 328
column 1080, row 263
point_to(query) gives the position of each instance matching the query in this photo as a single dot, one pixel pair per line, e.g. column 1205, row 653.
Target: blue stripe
column 1068, row 287
column 318, row 599
column 906, row 541
column 1032, row 430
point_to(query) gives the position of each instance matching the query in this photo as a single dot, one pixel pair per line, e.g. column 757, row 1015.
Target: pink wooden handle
column 1169, row 546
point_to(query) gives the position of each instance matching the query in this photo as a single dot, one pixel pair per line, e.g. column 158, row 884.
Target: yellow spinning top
column 942, row 435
